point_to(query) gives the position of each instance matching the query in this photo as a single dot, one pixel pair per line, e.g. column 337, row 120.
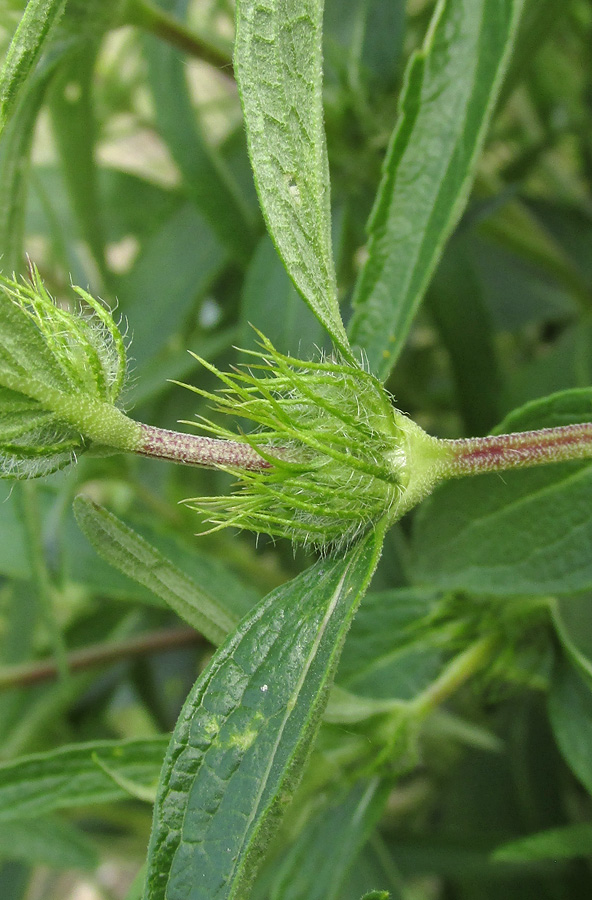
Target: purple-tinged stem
column 494, row 453
column 195, row 450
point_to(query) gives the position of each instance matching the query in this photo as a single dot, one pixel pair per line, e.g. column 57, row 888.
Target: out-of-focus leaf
column 273, row 305
column 245, row 732
column 319, row 862
column 176, row 266
column 135, row 557
column 570, row 712
column 557, row 843
column 278, row 61
column 33, row 786
column 15, row 149
column 208, row 180
column 450, row 92
column 528, row 532
column 463, row 321
column 48, row 842
column 387, row 655
column 75, row 133
column 363, row 43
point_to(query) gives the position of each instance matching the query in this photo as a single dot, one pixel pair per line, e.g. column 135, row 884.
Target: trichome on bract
column 342, row 457
column 57, row 366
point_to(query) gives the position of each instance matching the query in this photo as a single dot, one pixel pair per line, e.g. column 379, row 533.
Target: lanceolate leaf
column 244, row 734
column 528, row 532
column 319, row 862
column 209, row 181
column 33, row 786
column 557, row 843
column 451, row 87
column 135, row 557
column 25, row 49
column 278, row 62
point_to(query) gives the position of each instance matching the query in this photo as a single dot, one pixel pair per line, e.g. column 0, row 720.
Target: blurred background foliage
column 125, row 170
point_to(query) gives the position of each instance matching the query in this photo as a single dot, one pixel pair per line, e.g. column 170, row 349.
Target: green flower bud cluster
column 60, row 369
column 339, row 453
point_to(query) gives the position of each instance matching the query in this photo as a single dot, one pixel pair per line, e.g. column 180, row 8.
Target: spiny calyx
column 341, row 456
column 61, row 374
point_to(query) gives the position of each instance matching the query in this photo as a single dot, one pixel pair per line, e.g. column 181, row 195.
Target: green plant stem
column 99, row 655
column 497, row 453
column 456, row 673
column 150, row 17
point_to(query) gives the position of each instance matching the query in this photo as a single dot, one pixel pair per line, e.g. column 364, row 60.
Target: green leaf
column 376, row 895
column 135, row 557
column 567, row 842
column 15, row 149
column 318, row 863
column 451, row 87
column 387, row 654
column 62, row 372
column 456, row 305
column 25, row 49
column 267, row 290
column 278, row 63
column 570, row 713
column 175, row 268
column 33, row 786
column 48, row 842
column 528, row 532
column 75, row 133
column 244, row 734
column 209, row 180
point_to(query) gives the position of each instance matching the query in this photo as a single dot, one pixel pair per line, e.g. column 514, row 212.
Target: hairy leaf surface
column 25, row 49
column 278, row 61
column 245, row 731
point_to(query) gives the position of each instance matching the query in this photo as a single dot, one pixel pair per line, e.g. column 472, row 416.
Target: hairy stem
column 195, row 450
column 495, row 453
column 99, row 655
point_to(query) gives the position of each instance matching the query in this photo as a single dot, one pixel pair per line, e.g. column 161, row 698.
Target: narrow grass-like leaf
column 69, row 777
column 210, row 182
column 75, row 133
column 568, row 842
column 244, row 734
column 317, row 866
column 25, row 49
column 528, row 532
column 451, row 87
column 278, row 62
column 49, row 842
column 131, row 554
column 15, row 148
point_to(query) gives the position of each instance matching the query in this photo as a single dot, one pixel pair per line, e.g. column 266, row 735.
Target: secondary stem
column 195, row 450
column 99, row 655
column 495, row 453
column 456, row 673
column 147, row 15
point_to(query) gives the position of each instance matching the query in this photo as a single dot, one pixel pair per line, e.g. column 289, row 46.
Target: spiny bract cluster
column 333, row 440
column 46, row 350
